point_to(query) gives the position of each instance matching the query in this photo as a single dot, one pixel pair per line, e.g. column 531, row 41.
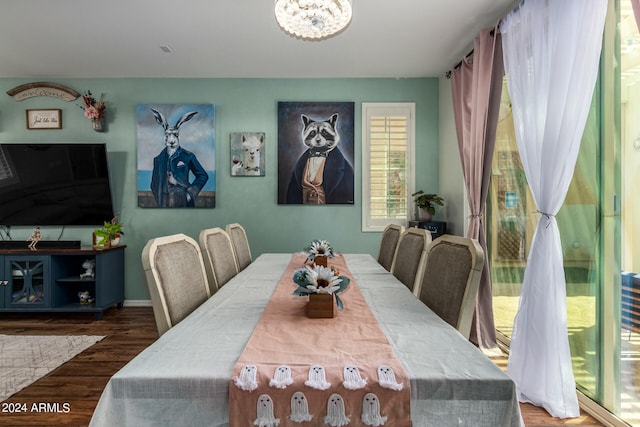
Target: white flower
column 321, row 248
column 322, row 280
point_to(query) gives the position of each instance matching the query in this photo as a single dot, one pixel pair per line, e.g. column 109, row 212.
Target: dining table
column 184, row 378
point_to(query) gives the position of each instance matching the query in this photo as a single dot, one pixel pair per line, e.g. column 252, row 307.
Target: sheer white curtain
column 551, row 54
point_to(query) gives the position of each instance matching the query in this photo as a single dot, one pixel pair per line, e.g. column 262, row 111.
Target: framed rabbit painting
column 315, row 153
column 176, row 156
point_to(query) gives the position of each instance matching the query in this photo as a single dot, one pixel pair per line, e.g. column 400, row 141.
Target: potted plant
column 426, row 204
column 109, row 234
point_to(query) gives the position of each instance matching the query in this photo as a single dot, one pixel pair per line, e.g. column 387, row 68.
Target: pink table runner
column 314, row 372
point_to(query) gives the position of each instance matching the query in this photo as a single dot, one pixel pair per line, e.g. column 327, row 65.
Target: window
column 388, row 144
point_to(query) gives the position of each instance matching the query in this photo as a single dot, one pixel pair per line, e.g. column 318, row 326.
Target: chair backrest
column 219, row 258
column 451, row 278
column 176, row 278
column 240, row 245
column 388, row 244
column 410, row 256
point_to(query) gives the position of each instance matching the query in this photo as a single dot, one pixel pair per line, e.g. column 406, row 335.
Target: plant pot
column 320, row 260
column 424, row 215
column 321, row 306
column 104, row 245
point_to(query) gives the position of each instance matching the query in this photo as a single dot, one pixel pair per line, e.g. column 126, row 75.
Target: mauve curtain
column 476, row 86
column 636, row 11
column 551, row 56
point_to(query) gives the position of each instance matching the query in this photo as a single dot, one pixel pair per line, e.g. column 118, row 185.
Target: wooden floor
column 80, row 381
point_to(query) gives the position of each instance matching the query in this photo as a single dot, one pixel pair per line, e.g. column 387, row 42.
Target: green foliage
column 427, row 201
column 109, row 231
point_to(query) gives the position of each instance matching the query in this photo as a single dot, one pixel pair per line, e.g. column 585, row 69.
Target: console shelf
column 74, row 280
column 48, row 279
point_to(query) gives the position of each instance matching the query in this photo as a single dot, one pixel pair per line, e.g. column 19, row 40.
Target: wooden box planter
column 321, row 306
column 320, row 260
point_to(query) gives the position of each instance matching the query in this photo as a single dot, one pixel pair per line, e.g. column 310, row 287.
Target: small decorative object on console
column 320, row 283
column 109, row 234
column 35, row 237
column 85, row 297
column 89, row 266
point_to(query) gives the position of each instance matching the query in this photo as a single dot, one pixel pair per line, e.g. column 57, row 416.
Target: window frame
column 369, row 109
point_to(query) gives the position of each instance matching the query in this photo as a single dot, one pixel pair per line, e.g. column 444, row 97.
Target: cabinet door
column 28, row 281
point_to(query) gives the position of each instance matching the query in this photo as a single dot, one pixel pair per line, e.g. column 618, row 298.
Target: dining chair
column 388, row 244
column 451, row 279
column 176, row 278
column 240, row 243
column 410, row 257
column 219, row 258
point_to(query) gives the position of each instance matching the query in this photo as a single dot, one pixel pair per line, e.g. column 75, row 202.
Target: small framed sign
column 44, row 119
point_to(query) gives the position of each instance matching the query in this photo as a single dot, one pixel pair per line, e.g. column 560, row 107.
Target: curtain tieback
column 548, row 216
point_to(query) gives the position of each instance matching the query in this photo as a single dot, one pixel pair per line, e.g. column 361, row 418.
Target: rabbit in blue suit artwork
column 170, row 183
column 322, row 174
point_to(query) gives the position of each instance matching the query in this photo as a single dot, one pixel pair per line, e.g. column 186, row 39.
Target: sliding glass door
column 627, row 102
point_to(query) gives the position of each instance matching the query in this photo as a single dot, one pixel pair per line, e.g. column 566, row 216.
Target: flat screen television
column 54, row 184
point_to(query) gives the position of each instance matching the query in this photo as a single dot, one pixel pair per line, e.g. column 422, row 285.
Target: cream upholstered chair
column 219, row 257
column 240, row 245
column 410, row 257
column 388, row 244
column 451, row 278
column 176, row 278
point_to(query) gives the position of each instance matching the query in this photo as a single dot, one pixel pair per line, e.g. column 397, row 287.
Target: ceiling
column 233, row 38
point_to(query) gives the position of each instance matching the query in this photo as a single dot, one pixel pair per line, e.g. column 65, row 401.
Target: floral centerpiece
column 94, row 109
column 320, row 280
column 318, row 252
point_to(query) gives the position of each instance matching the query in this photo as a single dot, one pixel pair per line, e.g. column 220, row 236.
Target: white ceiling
column 233, row 38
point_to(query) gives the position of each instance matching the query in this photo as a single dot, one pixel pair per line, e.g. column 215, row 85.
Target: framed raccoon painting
column 315, row 153
column 176, row 156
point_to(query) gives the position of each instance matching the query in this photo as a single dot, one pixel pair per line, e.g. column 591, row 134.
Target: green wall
column 240, row 105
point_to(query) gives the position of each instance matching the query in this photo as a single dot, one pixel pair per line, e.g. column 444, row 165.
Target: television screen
column 54, row 184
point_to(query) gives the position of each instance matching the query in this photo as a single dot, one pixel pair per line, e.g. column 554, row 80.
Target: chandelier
column 313, row 19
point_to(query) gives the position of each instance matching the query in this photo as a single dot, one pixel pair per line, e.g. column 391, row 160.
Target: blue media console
column 51, row 280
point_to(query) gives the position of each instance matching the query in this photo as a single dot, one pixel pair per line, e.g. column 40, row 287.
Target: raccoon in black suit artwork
column 322, row 174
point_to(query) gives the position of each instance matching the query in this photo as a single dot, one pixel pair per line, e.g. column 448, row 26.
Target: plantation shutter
column 386, row 166
column 388, row 159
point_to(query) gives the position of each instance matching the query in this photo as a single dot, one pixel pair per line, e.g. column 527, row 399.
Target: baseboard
column 137, row 303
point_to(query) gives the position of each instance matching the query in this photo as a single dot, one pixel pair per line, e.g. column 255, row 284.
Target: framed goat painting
column 176, row 156
column 315, row 153
column 247, row 153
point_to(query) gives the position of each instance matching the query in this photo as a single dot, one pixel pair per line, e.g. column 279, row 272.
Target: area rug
column 27, row 358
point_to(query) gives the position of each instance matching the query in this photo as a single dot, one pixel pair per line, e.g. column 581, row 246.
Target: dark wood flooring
column 80, row 382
